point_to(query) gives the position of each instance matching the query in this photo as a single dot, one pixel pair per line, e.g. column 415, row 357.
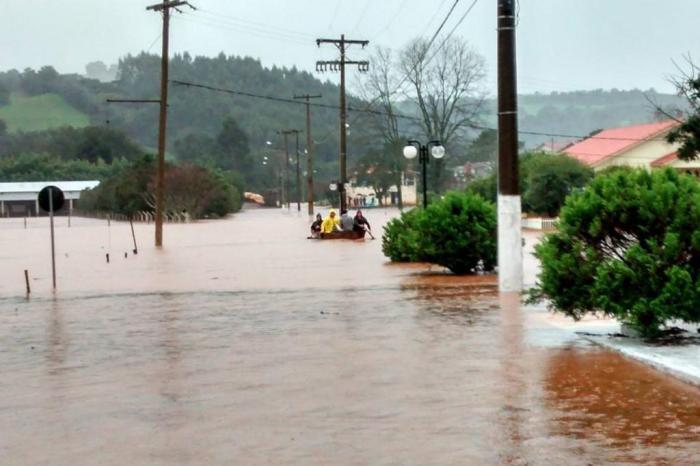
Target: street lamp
column 415, row 148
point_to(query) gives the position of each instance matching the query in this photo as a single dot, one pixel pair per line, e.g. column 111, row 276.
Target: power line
column 283, row 37
column 265, row 26
column 397, row 115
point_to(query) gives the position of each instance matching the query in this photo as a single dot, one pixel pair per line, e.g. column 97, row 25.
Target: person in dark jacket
column 316, row 226
column 360, row 223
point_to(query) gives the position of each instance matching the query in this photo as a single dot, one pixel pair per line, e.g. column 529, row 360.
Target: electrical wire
column 397, row 115
column 391, row 22
column 230, row 27
column 265, row 26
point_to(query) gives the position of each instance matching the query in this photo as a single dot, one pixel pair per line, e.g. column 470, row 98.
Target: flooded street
column 243, row 342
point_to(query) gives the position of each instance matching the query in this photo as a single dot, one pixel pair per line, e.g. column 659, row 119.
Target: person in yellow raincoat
column 330, row 223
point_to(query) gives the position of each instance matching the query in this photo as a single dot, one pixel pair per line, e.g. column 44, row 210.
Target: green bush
column 628, row 245
column 400, row 237
column 548, row 179
column 457, row 232
column 545, row 181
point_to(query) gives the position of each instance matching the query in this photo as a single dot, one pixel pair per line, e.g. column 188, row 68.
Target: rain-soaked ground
column 242, row 342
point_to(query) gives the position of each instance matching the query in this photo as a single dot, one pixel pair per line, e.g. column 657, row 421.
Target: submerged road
column 244, row 343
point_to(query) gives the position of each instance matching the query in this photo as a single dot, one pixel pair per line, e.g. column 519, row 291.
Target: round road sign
column 56, row 195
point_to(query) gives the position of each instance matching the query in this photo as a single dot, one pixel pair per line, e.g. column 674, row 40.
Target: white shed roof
column 29, row 191
column 36, row 186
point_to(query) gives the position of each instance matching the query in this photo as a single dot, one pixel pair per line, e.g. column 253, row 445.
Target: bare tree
column 446, row 86
column 380, row 87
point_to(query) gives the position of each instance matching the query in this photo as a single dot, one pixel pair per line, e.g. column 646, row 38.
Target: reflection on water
column 330, row 357
column 604, row 397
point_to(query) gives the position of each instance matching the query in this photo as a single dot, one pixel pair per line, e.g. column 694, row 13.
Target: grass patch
column 40, row 112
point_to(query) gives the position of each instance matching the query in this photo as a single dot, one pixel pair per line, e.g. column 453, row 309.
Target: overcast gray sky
column 562, row 44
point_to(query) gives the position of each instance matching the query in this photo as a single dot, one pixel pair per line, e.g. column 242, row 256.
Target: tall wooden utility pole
column 298, row 174
column 310, row 152
column 285, row 133
column 160, row 174
column 510, row 251
column 339, row 65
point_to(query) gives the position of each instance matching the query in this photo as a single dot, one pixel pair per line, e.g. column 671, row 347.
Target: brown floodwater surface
column 242, row 342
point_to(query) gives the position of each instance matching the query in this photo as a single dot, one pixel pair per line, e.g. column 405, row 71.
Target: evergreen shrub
column 457, row 232
column 628, row 245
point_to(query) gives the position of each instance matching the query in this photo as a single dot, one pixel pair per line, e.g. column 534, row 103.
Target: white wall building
column 22, row 198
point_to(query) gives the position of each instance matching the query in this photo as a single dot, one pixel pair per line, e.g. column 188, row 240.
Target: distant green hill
column 580, row 112
column 40, row 112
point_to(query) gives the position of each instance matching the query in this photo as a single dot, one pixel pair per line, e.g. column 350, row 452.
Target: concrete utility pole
column 339, row 65
column 285, row 133
column 160, row 174
column 510, row 251
column 310, row 152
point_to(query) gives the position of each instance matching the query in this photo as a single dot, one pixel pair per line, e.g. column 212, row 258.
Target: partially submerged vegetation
column 189, row 189
column 457, row 232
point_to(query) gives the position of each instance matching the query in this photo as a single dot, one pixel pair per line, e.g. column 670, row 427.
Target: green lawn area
column 40, row 112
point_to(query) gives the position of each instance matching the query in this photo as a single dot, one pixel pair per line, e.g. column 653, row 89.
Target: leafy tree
column 4, row 95
column 549, row 178
column 627, row 246
column 196, row 148
column 98, row 143
column 42, row 167
column 378, row 169
column 545, row 181
column 486, row 187
column 93, row 143
column 687, row 133
column 234, row 150
column 189, row 188
column 484, row 148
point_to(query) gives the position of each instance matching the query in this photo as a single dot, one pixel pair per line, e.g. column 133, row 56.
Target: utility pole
column 310, row 152
column 164, row 59
column 285, row 133
column 510, row 251
column 298, row 174
column 339, row 65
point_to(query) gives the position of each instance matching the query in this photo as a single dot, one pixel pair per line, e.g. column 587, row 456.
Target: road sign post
column 50, row 199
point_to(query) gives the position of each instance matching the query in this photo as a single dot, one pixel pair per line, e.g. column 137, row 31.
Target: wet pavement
column 244, row 343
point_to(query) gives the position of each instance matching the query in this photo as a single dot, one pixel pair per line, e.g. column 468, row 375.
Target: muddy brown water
column 242, row 342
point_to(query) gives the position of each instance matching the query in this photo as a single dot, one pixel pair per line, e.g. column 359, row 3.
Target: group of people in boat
column 344, row 222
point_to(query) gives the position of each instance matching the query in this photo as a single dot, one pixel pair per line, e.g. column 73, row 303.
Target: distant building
column 365, row 196
column 552, row 147
column 20, row 199
column 633, row 146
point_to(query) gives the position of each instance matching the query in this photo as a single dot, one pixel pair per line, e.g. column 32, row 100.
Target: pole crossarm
column 133, row 101
column 335, row 65
column 170, row 4
column 341, row 41
column 307, row 96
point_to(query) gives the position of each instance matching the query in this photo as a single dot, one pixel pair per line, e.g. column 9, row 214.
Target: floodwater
column 242, row 342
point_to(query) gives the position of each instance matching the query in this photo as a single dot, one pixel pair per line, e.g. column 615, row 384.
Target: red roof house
column 639, row 145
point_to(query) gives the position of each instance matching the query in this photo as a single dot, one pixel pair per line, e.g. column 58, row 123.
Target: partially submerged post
column 26, row 281
column 133, row 235
column 510, row 252
column 51, row 198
